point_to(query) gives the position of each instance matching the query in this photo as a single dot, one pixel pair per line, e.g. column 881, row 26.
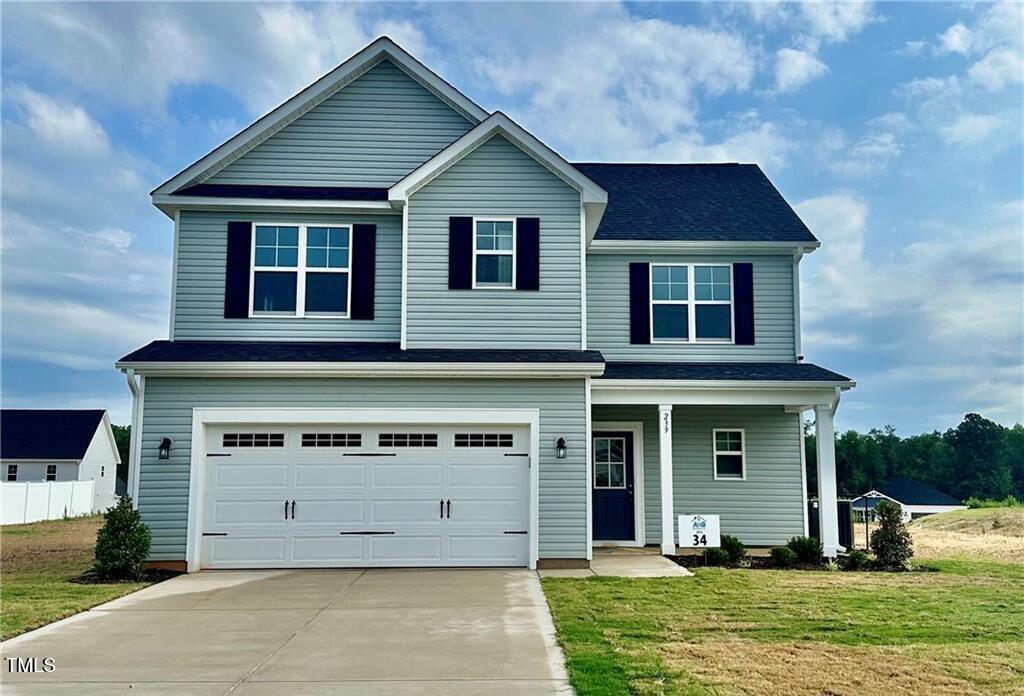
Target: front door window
column 609, row 462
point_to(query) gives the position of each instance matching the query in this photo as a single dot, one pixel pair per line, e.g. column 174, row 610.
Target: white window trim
column 47, row 473
column 495, row 252
column 691, row 302
column 625, row 467
column 301, row 270
column 11, row 469
column 742, row 453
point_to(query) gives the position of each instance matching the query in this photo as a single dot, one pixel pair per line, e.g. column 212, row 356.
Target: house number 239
column 665, row 420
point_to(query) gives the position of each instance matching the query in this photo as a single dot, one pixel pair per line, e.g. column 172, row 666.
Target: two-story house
column 405, row 332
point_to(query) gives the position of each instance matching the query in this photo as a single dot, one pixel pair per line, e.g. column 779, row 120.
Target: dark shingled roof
column 767, row 372
column 303, row 193
column 910, row 492
column 296, row 351
column 47, row 433
column 693, row 202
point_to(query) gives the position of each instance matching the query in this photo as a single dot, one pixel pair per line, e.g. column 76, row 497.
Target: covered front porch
column 728, row 440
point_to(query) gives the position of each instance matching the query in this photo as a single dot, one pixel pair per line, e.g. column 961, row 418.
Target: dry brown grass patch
column 49, row 544
column 738, row 666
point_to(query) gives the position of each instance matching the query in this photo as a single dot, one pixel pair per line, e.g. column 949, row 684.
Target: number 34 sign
column 699, row 531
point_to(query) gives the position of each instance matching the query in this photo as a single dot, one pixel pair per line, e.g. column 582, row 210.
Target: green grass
column 37, row 562
column 698, row 635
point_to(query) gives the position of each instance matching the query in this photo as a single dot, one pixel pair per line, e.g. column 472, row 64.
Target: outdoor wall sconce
column 165, row 448
column 560, row 448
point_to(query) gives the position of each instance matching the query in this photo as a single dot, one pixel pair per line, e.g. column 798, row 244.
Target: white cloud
column 873, row 151
column 999, row 67
column 834, row 22
column 794, row 69
column 262, row 54
column 61, row 125
column 970, row 129
column 620, row 87
column 912, row 48
column 957, row 39
column 762, row 144
column 949, row 309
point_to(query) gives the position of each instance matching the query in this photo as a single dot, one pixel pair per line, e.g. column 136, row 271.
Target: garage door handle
column 449, row 509
column 293, row 509
column 286, row 509
column 442, row 508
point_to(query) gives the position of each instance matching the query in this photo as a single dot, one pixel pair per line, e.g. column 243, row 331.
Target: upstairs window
column 494, row 243
column 301, row 270
column 730, row 458
column 51, row 472
column 691, row 303
column 12, row 472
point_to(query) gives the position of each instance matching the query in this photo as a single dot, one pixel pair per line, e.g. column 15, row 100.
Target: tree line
column 978, row 458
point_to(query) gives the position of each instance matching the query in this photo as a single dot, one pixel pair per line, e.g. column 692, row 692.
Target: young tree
column 891, row 542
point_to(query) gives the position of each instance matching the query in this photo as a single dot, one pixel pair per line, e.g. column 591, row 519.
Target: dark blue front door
column 613, row 486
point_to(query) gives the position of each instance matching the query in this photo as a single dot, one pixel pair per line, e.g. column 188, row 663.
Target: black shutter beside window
column 743, row 302
column 639, row 303
column 364, row 271
column 528, row 253
column 236, row 272
column 460, row 253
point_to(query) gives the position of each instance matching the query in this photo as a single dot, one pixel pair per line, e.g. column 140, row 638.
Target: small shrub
column 783, row 557
column 716, row 557
column 857, row 560
column 122, row 544
column 1009, row 501
column 733, row 548
column 832, row 565
column 891, row 542
column 808, row 550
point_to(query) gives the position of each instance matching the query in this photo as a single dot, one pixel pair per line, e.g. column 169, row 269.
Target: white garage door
column 404, row 495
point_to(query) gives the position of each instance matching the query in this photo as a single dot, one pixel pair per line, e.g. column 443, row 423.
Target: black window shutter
column 364, row 271
column 743, row 302
column 639, row 303
column 528, row 253
column 236, row 272
column 460, row 253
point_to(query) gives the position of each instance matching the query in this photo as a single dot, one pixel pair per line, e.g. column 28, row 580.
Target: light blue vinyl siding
column 608, row 311
column 163, row 492
column 496, row 179
column 199, row 290
column 765, row 509
column 372, row 132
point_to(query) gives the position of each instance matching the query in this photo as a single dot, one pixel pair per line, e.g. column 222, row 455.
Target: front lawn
column 956, row 631
column 37, row 563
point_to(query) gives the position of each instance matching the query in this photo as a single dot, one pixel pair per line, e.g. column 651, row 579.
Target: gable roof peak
column 381, row 48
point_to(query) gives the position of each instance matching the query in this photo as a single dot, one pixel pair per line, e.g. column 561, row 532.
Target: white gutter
column 367, row 369
column 169, row 204
column 657, row 246
column 135, row 441
column 712, row 384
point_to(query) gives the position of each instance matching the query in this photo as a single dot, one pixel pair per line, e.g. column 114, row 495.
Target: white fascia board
column 106, row 427
column 170, row 204
column 616, row 246
column 500, row 124
column 346, row 73
column 707, row 393
column 366, row 369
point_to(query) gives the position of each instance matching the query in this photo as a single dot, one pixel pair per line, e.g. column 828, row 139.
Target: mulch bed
column 765, row 563
column 89, row 577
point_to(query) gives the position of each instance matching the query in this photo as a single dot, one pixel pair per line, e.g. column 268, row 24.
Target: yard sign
column 699, row 531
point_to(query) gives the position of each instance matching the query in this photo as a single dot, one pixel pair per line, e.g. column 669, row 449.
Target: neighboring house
column 405, row 332
column 916, row 499
column 60, row 445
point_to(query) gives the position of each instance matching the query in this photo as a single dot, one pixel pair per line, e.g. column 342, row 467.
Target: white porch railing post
column 828, row 515
column 668, row 542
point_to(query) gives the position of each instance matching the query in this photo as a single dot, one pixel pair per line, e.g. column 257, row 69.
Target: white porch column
column 668, row 541
column 828, row 516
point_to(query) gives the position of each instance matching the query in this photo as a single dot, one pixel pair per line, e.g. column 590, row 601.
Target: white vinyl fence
column 31, row 501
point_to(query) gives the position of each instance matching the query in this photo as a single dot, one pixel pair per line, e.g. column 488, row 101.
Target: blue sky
column 894, row 129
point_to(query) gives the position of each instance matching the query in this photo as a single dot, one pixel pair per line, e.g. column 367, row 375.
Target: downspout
column 133, row 462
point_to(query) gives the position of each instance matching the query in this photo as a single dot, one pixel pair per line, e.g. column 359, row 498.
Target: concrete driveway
column 313, row 632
